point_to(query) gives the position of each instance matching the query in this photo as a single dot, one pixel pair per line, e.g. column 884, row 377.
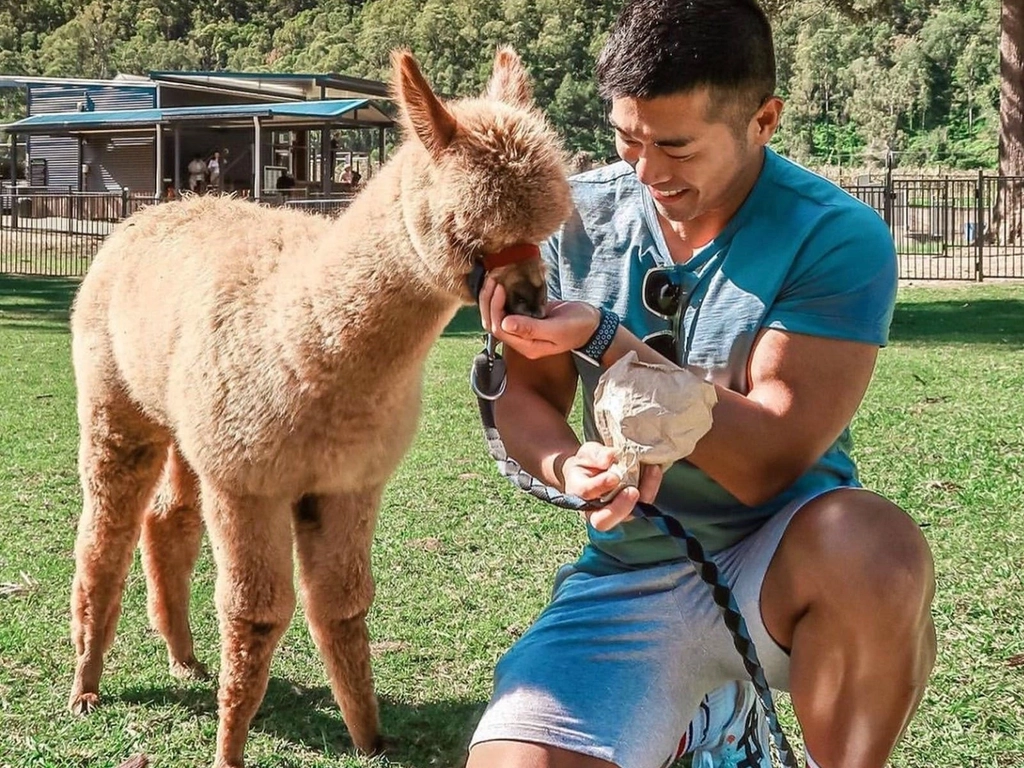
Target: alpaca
column 259, row 371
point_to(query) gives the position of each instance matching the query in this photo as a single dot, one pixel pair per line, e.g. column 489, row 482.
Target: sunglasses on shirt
column 665, row 291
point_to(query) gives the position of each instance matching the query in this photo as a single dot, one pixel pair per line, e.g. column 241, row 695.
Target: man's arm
column 531, row 414
column 804, row 390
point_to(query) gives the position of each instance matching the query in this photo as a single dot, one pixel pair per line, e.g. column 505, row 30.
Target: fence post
column 14, row 181
column 889, row 194
column 979, row 229
column 124, row 203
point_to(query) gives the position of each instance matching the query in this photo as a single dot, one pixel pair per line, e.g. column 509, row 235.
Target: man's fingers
column 593, row 487
column 620, row 508
column 597, row 455
column 484, row 302
column 497, row 308
column 650, row 482
column 520, row 325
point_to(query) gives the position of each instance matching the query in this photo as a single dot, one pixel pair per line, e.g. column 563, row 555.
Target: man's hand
column 566, row 326
column 587, row 474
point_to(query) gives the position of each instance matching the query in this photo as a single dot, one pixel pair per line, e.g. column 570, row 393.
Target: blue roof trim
column 329, row 108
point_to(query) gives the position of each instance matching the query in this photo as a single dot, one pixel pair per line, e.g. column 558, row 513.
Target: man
column 213, row 168
column 196, row 174
column 779, row 289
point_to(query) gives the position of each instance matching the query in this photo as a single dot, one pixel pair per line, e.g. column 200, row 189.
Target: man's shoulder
column 612, row 181
column 609, row 197
column 807, row 194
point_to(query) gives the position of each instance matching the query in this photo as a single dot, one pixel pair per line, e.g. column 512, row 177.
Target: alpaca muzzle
column 523, row 297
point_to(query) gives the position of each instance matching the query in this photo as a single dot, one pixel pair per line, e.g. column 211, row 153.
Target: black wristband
column 598, row 344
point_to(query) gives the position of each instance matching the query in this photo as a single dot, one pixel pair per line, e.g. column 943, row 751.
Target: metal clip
column 487, row 377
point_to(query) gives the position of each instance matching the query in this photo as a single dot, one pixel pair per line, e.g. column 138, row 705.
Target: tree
column 1011, row 110
column 1011, row 122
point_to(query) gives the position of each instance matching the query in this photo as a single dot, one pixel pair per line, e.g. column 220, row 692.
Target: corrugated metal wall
column 61, row 152
column 120, row 162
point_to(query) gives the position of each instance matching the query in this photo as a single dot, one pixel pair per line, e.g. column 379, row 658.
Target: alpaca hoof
column 84, row 703
column 189, row 670
column 377, row 747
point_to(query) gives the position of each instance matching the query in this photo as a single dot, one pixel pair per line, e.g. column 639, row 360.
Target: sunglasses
column 665, row 291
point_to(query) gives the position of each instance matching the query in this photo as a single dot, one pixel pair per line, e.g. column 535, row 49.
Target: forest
column 912, row 82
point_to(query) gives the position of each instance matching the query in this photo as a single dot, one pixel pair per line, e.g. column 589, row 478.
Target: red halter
column 513, row 254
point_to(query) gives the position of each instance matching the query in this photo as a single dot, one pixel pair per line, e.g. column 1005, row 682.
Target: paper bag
column 652, row 414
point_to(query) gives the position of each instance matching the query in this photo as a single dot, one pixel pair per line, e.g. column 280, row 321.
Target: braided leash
column 487, row 379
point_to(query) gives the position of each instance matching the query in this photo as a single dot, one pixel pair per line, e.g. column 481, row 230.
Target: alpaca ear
column 510, row 82
column 424, row 114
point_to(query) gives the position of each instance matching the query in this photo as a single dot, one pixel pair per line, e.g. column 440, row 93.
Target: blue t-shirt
column 799, row 255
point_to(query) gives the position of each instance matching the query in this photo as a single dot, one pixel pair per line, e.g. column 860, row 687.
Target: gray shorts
column 616, row 666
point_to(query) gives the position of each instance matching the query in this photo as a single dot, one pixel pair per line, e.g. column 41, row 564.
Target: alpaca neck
column 370, row 286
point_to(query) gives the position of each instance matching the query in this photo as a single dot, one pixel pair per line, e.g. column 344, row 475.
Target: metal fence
column 944, row 228
column 43, row 232
column 952, row 228
column 57, row 233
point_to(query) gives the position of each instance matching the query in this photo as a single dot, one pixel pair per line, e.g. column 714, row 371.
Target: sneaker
column 734, row 733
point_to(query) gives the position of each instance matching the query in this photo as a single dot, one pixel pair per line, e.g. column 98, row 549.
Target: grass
column 464, row 562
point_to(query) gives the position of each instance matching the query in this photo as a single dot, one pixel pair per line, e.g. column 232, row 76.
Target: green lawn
column 464, row 562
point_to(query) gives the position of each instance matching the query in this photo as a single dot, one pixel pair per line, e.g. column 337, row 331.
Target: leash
column 487, row 379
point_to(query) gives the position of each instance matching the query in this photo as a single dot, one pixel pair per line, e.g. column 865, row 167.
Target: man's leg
column 849, row 591
column 522, row 754
column 609, row 675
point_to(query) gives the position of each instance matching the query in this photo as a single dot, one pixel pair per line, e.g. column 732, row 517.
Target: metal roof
column 358, row 113
column 303, row 85
column 22, row 81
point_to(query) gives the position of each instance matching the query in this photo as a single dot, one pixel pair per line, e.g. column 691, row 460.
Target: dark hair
column 664, row 47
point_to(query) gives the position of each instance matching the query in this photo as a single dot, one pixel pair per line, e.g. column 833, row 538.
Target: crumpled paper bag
column 652, row 414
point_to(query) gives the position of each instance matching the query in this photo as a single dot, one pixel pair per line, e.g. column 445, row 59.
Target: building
column 140, row 132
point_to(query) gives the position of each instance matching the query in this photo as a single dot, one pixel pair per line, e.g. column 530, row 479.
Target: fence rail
column 58, row 233
column 943, row 228
column 952, row 228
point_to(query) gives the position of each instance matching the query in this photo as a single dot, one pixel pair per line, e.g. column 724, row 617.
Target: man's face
column 691, row 163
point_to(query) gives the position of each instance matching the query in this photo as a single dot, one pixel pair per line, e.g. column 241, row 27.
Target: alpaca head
column 494, row 173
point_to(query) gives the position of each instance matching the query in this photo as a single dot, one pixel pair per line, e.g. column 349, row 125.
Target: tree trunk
column 1011, row 110
column 1007, row 218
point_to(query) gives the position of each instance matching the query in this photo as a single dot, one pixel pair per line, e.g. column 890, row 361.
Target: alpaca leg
column 120, row 456
column 171, row 533
column 252, row 546
column 333, row 541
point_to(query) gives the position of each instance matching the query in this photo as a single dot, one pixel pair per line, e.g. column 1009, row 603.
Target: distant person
column 356, row 177
column 213, row 168
column 196, row 174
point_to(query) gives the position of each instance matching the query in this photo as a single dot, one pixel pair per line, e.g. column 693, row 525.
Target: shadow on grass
column 435, row 733
column 969, row 321
column 465, row 323
column 28, row 297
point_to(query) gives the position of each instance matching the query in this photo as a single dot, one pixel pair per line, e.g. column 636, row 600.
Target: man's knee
column 856, row 547
column 520, row 754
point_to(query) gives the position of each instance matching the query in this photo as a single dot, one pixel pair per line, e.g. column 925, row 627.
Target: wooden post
column 326, row 160
column 257, row 159
column 159, row 195
column 177, row 158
